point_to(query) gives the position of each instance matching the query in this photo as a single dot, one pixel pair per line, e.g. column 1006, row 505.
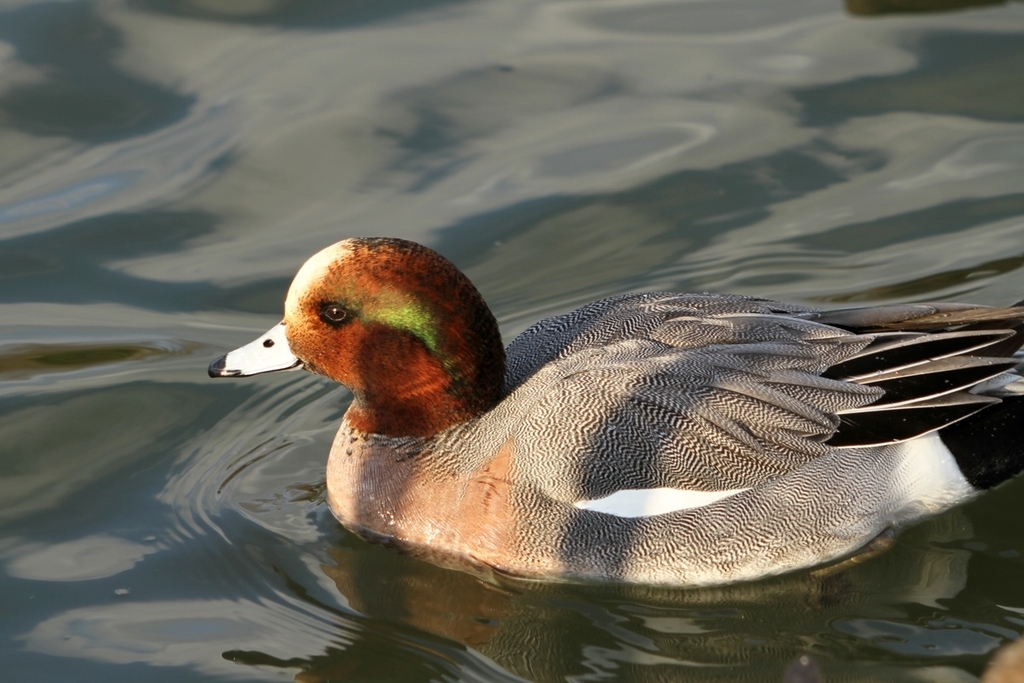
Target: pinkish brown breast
column 413, row 503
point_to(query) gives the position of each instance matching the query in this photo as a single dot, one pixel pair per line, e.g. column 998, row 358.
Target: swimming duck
column 661, row 438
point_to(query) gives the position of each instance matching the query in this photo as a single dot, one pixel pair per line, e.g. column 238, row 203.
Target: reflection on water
column 23, row 362
column 310, row 14
column 179, row 632
column 83, row 251
column 166, row 165
column 434, row 127
column 80, row 560
column 729, row 16
column 402, row 618
column 71, row 87
column 43, row 434
column 941, row 84
column 963, row 281
column 620, row 241
column 868, row 7
column 951, row 636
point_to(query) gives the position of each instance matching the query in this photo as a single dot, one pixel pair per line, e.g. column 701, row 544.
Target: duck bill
column 268, row 353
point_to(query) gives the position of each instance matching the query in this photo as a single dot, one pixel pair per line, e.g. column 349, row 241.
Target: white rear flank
column 928, row 479
column 648, row 502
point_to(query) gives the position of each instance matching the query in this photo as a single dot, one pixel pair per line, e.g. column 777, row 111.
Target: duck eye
column 332, row 314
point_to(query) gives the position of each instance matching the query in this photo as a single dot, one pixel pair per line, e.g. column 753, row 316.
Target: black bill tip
column 218, row 368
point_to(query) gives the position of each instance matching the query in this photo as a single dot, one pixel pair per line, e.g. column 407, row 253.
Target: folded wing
column 719, row 393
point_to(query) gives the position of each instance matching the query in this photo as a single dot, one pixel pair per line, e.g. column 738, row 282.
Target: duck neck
column 411, row 388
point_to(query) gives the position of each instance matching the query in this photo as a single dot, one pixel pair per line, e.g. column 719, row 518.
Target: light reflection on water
column 165, row 166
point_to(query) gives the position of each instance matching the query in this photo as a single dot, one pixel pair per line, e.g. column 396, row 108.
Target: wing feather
column 710, row 393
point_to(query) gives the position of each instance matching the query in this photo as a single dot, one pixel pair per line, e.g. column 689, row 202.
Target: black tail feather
column 989, row 445
column 895, row 350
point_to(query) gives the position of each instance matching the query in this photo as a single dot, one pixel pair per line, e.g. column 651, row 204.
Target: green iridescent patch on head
column 412, row 317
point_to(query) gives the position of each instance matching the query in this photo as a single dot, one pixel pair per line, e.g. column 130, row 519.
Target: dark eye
column 332, row 314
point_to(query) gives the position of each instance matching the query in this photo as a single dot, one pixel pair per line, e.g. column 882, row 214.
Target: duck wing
column 937, row 363
column 719, row 393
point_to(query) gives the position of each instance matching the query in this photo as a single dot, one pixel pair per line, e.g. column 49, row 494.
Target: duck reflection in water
column 436, row 623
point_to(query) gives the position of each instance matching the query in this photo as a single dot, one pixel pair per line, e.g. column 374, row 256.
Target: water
column 166, row 165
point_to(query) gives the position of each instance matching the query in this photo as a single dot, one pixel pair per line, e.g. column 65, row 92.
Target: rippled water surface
column 166, row 166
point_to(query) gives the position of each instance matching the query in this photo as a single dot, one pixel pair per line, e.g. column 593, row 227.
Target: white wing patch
column 647, row 502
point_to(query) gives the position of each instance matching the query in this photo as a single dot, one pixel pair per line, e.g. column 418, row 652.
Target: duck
column 662, row 438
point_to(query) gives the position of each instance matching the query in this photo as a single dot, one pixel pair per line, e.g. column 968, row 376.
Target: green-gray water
column 166, row 166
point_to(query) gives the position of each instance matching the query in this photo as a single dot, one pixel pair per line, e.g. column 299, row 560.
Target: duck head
column 396, row 323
